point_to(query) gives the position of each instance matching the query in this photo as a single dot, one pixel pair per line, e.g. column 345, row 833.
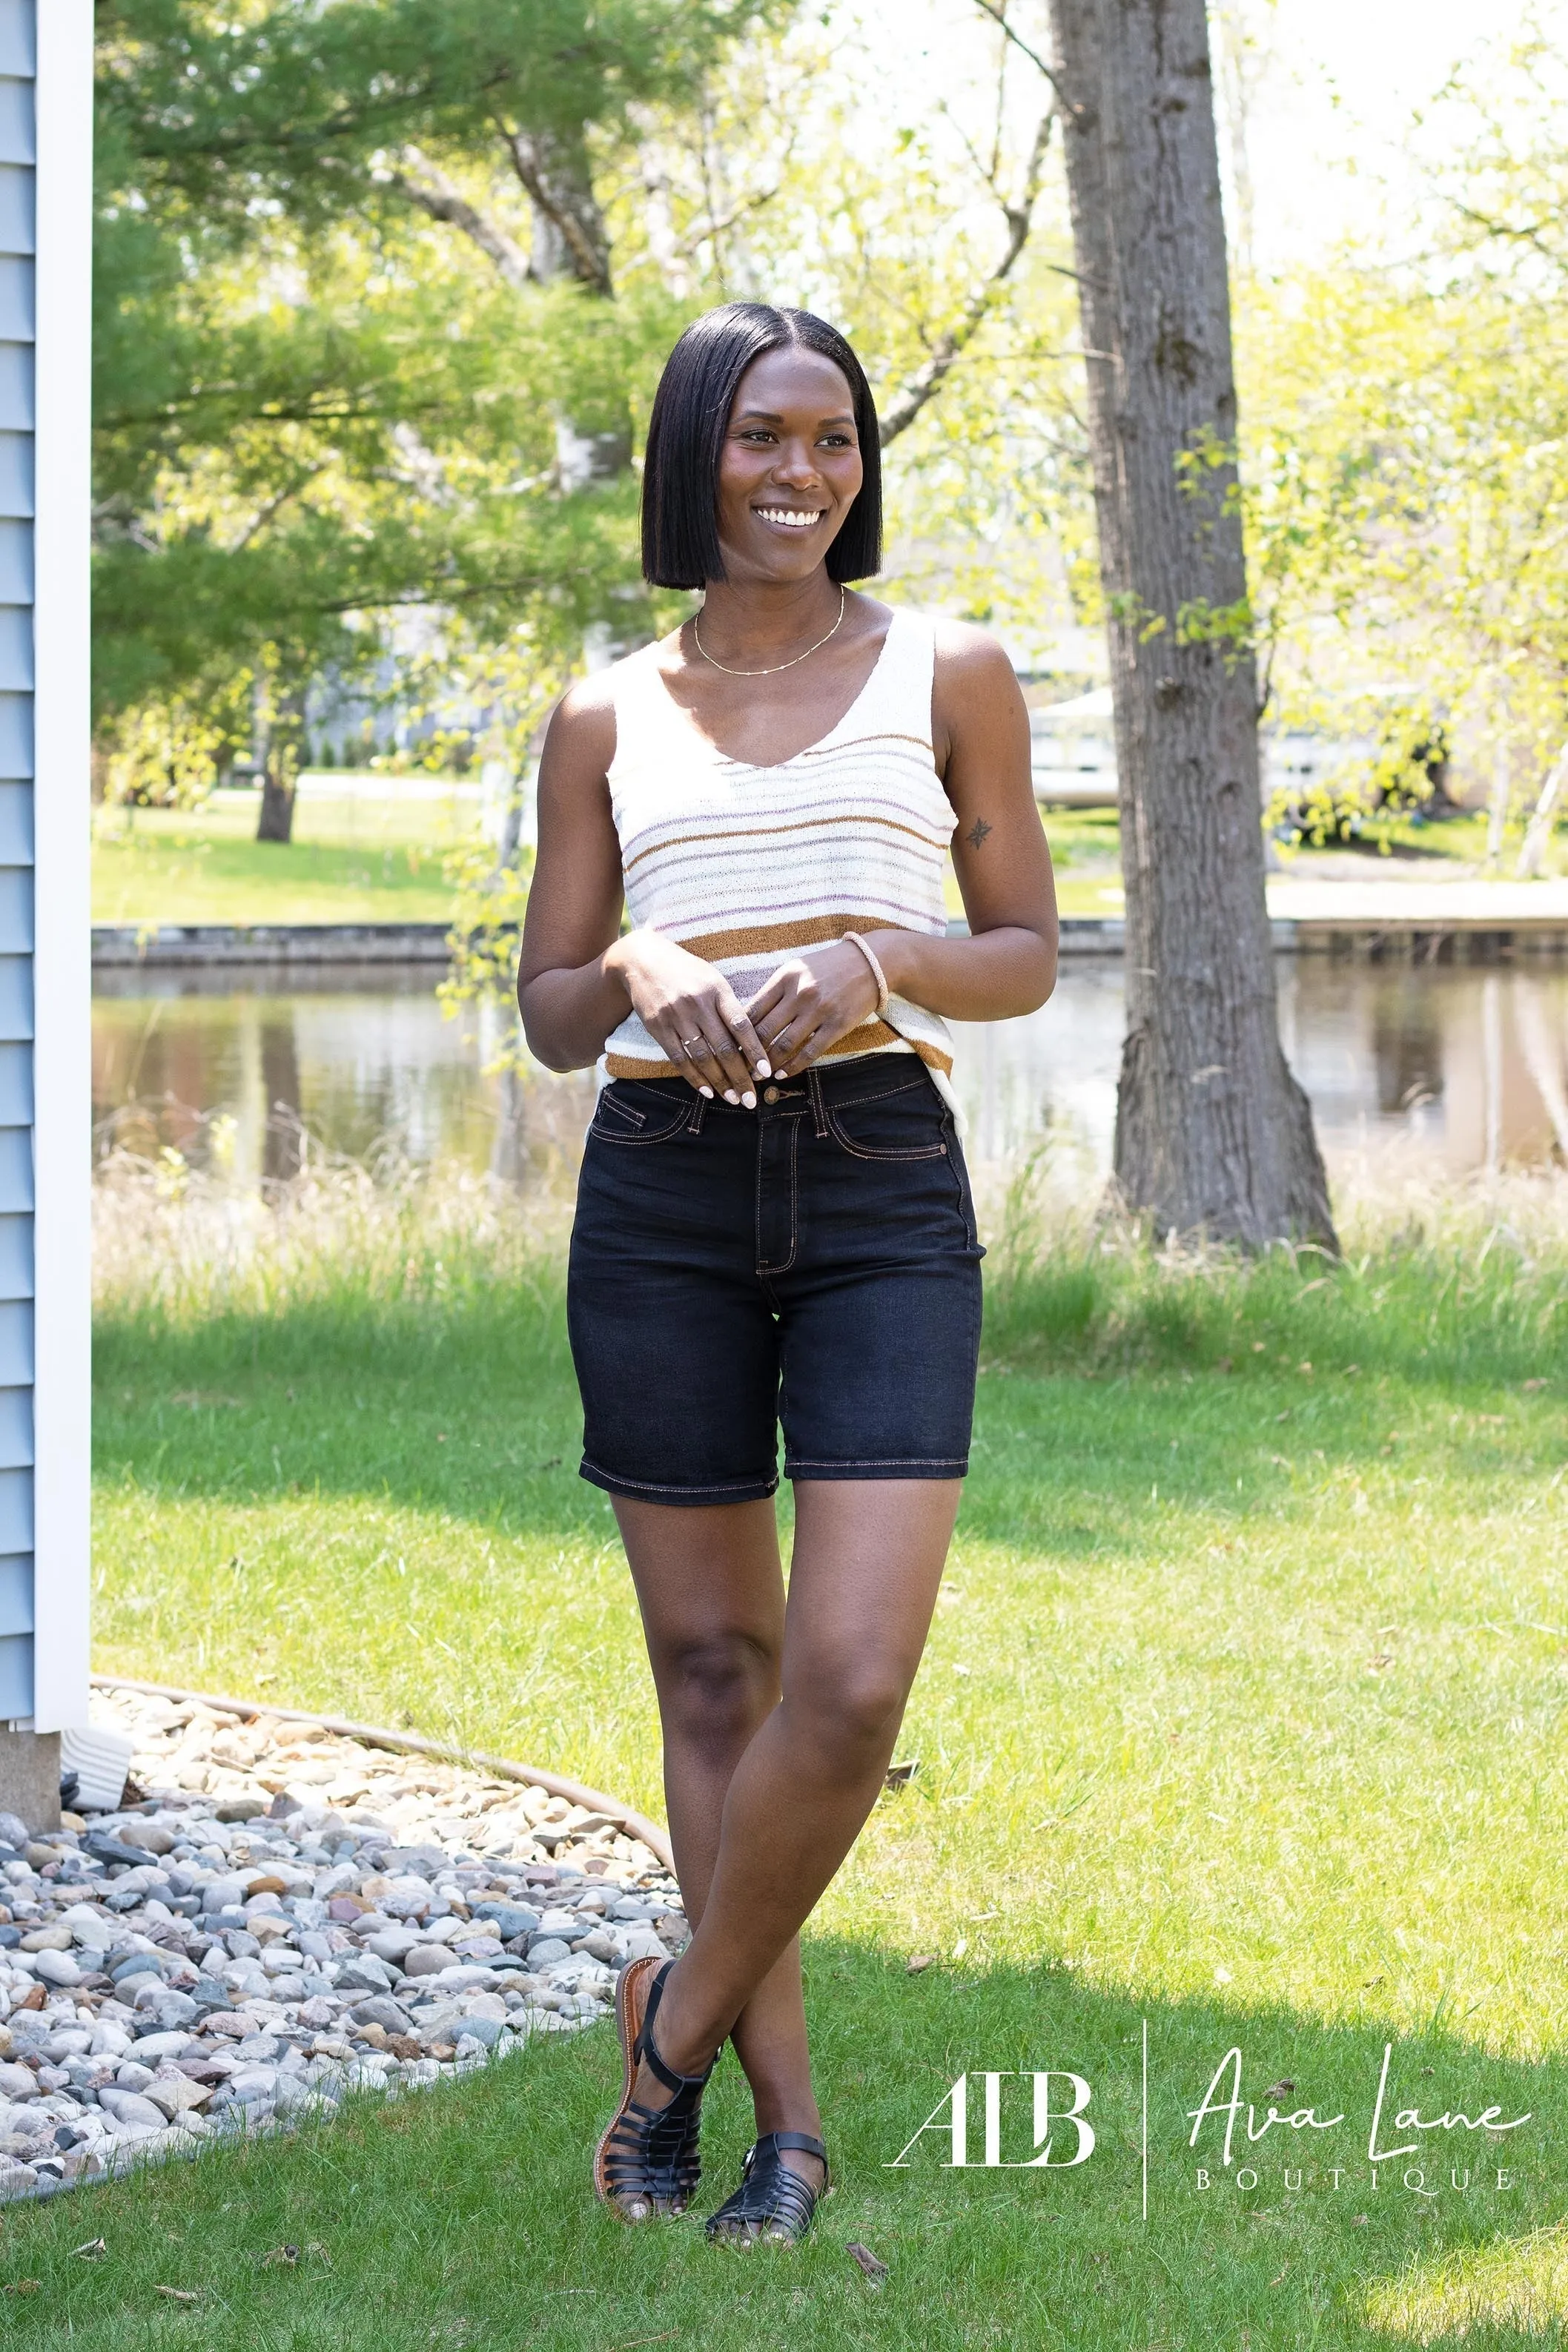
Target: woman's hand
column 694, row 1013
column 809, row 1003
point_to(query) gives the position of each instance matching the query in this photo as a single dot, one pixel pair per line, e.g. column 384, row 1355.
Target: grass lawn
column 1243, row 1715
column 371, row 857
column 377, row 857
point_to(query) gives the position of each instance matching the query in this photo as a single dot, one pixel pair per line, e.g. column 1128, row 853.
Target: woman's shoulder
column 586, row 708
column 960, row 649
column 965, row 650
column 973, row 678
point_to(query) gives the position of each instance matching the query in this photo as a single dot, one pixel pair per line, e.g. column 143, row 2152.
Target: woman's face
column 790, row 468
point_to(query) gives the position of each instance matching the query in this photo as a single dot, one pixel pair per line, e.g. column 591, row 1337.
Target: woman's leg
column 867, row 1563
column 711, row 1592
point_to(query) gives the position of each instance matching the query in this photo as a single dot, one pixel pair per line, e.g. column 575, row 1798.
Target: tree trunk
column 571, row 241
column 1538, row 832
column 280, row 767
column 1214, row 1136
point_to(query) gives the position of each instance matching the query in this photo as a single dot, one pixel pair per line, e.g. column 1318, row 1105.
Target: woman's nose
column 795, row 465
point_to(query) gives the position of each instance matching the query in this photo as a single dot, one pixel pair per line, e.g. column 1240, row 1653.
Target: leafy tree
column 1410, row 457
column 1214, row 1135
column 358, row 347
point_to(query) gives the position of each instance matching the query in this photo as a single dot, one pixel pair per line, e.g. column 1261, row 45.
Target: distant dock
column 1419, row 922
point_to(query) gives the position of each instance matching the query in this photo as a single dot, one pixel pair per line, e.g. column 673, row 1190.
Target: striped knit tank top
column 745, row 865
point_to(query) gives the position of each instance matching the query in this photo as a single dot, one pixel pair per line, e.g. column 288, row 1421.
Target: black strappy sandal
column 772, row 2200
column 647, row 2156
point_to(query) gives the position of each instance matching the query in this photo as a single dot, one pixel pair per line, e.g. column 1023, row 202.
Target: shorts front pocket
column 629, row 1111
column 908, row 1122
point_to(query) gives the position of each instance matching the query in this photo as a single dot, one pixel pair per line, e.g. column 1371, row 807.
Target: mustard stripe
column 726, row 836
column 881, row 1040
column 884, row 914
column 768, row 938
column 792, row 875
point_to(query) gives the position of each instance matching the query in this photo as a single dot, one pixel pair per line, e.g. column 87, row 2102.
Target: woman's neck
column 748, row 621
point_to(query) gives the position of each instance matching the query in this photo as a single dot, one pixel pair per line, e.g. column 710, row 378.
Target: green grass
column 381, row 860
column 1241, row 1716
column 352, row 860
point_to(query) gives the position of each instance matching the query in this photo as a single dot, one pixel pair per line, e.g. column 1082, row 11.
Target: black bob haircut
column 687, row 433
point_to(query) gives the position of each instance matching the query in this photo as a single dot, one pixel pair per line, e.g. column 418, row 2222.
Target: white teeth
column 795, row 521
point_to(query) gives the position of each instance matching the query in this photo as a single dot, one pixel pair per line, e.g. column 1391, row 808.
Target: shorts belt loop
column 819, row 1107
column 697, row 1123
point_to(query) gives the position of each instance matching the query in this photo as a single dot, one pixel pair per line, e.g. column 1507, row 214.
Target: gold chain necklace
column 776, row 667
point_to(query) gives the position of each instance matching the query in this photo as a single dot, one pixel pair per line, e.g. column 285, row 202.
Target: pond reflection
column 1467, row 1068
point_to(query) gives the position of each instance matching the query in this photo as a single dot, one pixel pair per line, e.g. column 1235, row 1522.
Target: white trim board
column 63, row 974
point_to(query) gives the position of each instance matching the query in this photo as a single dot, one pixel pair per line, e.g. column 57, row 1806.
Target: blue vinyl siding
column 17, row 409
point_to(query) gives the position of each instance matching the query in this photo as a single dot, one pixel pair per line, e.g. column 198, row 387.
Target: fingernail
column 730, row 1095
column 707, row 1091
column 763, row 1068
column 749, row 1099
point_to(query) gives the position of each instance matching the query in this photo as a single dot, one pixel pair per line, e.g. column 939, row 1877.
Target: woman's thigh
column 707, row 1577
column 867, row 1564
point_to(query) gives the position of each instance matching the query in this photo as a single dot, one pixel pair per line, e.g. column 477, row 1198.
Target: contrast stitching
column 656, row 1486
column 897, row 1462
column 765, row 1267
column 663, row 1135
column 966, row 1203
column 881, row 1093
column 858, row 1151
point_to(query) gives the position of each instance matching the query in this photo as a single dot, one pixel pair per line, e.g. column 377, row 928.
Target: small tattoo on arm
column 977, row 833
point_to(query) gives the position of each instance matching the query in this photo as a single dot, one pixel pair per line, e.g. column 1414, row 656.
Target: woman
column 773, row 1220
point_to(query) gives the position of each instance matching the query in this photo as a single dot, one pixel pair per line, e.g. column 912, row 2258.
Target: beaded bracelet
column 877, row 972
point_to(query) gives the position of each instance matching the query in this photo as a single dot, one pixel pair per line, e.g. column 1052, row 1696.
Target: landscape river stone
column 283, row 1916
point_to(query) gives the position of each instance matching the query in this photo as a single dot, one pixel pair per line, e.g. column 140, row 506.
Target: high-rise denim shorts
column 812, row 1264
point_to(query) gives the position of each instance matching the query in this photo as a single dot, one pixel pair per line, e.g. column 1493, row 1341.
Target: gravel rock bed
column 285, row 1915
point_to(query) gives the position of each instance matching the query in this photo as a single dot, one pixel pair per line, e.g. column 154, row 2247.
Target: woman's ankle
column 673, row 2043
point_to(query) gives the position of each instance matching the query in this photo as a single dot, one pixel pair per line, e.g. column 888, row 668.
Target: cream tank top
column 745, row 865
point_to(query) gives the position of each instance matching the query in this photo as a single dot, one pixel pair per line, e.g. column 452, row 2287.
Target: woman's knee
column 849, row 1709
column 718, row 1685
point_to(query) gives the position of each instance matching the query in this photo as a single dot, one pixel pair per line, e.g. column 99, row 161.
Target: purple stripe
column 748, row 823
column 699, row 883
column 914, row 919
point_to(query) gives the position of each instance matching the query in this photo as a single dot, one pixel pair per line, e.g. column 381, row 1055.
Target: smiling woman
column 773, row 1220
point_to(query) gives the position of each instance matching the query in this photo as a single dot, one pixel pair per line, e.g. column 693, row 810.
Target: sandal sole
column 631, row 2006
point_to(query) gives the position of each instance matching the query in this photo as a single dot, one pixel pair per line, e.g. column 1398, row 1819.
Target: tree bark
column 280, row 767
column 1214, row 1136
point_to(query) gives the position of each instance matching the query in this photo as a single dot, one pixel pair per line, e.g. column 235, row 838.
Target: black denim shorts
column 812, row 1262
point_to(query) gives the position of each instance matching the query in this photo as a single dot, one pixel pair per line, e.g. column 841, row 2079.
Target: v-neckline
column 772, row 767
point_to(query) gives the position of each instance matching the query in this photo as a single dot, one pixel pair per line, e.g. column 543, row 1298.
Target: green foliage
column 296, row 108
column 1408, row 463
column 317, row 405
column 170, row 752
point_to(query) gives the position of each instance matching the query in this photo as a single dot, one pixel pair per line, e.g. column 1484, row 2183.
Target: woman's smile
column 789, row 518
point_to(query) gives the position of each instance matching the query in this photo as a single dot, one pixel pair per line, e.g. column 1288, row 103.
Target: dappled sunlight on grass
column 1471, row 2292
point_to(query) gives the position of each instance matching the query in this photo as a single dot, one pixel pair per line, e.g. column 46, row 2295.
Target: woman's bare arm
column 578, row 977
column 1007, row 964
column 569, row 998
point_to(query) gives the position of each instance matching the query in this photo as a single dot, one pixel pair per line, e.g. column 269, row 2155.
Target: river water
column 1458, row 1068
